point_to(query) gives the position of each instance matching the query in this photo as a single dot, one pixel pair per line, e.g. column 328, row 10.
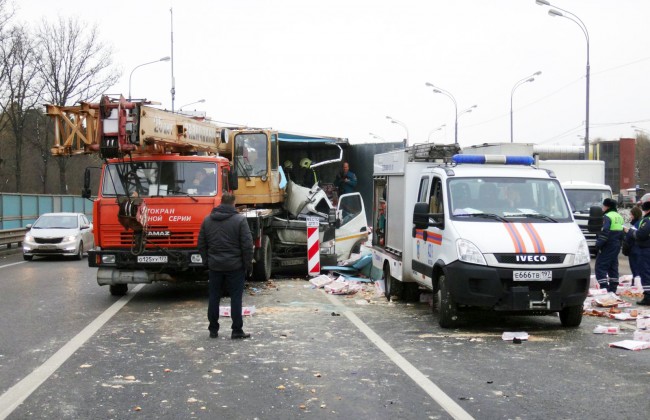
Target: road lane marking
column 18, row 393
column 16, row 263
column 446, row 402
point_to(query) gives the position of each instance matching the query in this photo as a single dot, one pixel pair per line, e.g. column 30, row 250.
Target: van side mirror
column 595, row 223
column 331, row 216
column 421, row 217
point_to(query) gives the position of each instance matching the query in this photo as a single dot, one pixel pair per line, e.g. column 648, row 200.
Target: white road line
column 9, row 265
column 23, row 389
column 446, row 402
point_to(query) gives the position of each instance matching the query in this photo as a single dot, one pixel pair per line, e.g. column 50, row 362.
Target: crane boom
column 115, row 127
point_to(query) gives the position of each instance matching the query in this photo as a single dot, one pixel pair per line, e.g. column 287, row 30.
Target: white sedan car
column 68, row 234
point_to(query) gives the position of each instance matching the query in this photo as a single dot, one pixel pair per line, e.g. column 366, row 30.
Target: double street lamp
column 144, row 64
column 457, row 114
column 394, row 121
column 527, row 79
column 377, row 137
column 557, row 12
column 200, row 101
column 434, row 130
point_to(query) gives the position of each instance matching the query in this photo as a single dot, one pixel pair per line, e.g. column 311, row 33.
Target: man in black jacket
column 226, row 246
column 642, row 238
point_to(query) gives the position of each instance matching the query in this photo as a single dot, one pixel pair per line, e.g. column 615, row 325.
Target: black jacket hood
column 223, row 212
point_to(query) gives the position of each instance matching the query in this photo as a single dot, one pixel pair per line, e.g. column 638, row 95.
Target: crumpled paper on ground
column 342, row 287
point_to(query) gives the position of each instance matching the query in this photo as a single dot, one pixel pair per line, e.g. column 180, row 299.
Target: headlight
column 196, row 259
column 69, row 238
column 29, row 238
column 469, row 253
column 108, row 259
column 582, row 254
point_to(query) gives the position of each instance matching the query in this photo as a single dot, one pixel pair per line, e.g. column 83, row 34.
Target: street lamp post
column 641, row 130
column 434, row 130
column 575, row 19
column 527, row 79
column 144, row 64
column 394, row 121
column 200, row 101
column 450, row 96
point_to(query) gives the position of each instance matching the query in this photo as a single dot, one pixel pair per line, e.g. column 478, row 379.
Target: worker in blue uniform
column 609, row 245
column 642, row 240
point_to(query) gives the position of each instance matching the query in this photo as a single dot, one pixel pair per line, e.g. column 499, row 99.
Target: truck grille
column 512, row 259
column 174, row 239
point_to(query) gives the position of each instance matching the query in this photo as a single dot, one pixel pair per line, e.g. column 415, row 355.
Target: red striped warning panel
column 313, row 247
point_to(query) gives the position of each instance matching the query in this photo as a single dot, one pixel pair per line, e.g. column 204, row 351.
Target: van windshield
column 539, row 200
column 582, row 200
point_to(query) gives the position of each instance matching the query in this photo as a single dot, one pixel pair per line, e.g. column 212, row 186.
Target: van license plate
column 532, row 275
column 152, row 258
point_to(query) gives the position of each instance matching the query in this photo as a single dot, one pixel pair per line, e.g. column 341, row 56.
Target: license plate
column 532, row 275
column 152, row 258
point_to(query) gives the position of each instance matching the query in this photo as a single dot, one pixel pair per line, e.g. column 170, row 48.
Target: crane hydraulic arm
column 115, row 127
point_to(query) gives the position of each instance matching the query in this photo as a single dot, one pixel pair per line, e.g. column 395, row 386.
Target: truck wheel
column 262, row 266
column 571, row 316
column 447, row 309
column 118, row 289
column 392, row 286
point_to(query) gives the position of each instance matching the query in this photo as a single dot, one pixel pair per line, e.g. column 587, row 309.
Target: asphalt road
column 311, row 355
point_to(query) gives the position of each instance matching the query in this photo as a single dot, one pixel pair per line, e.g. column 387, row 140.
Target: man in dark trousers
column 226, row 246
column 609, row 245
column 642, row 240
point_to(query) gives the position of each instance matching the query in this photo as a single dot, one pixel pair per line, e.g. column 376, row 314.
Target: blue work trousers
column 234, row 282
column 644, row 270
column 607, row 265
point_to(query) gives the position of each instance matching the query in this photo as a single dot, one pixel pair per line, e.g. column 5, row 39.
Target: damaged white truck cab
column 481, row 234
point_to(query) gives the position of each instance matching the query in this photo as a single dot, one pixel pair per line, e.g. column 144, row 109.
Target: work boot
column 645, row 301
column 239, row 335
column 214, row 334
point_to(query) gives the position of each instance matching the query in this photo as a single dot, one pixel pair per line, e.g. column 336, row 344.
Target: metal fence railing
column 19, row 210
column 9, row 237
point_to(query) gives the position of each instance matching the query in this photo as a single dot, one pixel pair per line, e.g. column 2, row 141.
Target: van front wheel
column 571, row 316
column 447, row 308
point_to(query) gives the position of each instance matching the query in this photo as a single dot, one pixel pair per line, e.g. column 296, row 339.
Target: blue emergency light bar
column 494, row 159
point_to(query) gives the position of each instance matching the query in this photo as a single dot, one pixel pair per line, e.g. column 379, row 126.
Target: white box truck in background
column 583, row 182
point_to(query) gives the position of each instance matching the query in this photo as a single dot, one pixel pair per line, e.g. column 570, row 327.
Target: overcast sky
column 339, row 67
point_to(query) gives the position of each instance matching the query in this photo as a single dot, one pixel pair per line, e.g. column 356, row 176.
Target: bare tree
column 75, row 66
column 20, row 88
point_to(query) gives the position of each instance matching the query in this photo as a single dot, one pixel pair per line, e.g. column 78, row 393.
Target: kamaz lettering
column 531, row 258
column 159, row 233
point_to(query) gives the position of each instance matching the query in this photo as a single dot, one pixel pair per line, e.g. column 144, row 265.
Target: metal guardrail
column 12, row 236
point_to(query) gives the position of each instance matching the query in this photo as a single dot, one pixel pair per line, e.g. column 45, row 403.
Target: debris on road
column 245, row 310
column 631, row 345
column 607, row 329
column 510, row 336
